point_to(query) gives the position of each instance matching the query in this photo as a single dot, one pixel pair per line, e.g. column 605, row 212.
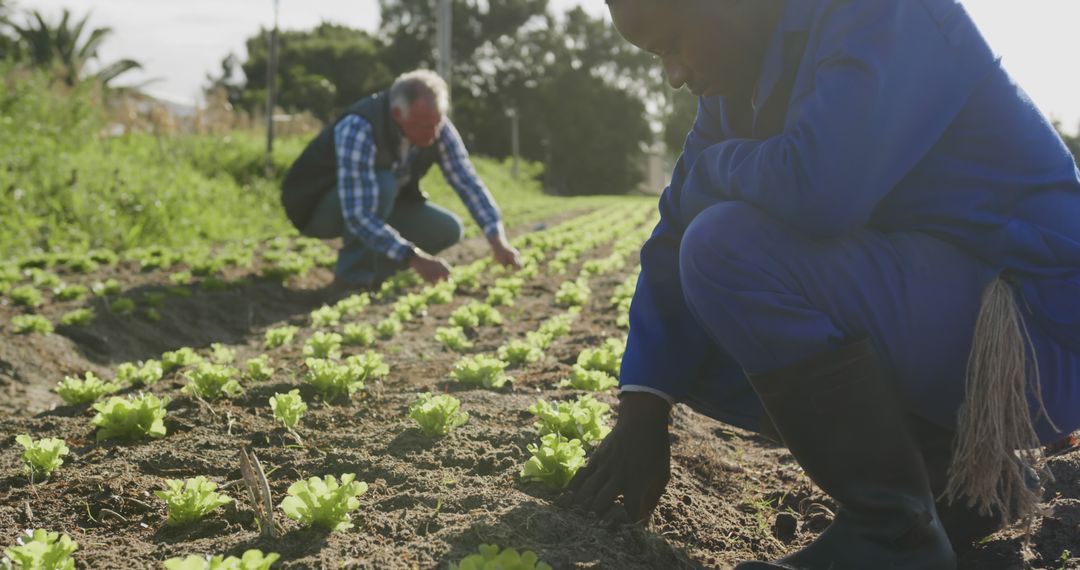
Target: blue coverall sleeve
column 666, row 347
column 888, row 81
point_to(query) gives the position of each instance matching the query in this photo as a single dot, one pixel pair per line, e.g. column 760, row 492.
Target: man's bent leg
column 357, row 263
column 429, row 226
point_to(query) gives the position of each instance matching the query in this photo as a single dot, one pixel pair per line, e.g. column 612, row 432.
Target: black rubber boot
column 962, row 523
column 845, row 425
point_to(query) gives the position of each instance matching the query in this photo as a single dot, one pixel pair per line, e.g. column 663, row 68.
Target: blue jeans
column 426, row 225
column 770, row 297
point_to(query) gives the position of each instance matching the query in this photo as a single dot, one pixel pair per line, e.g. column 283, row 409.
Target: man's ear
column 395, row 112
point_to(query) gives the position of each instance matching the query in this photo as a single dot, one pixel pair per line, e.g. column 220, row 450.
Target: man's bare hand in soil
column 430, row 268
column 634, row 460
column 504, row 253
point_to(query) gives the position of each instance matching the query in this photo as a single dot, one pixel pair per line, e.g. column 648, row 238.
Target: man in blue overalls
column 869, row 246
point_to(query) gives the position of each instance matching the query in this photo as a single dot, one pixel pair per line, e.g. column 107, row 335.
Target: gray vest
column 315, row 172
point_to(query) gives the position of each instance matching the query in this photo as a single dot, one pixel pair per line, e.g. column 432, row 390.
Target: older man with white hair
column 359, row 180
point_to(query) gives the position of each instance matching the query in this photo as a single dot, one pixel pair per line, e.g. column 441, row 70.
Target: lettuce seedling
column 323, row 345
column 67, row 292
column 555, row 461
column 191, row 500
column 511, row 284
column 41, row 457
column 146, row 373
column 368, row 365
column 179, row 358
column 481, row 370
column 440, row 293
column 131, row 417
column 77, row 317
column 211, row 381
column 259, row 368
column 573, row 293
column 437, row 415
column 40, row 549
column 221, row 354
column 606, row 358
column 325, row 317
column 467, row 278
column 75, row 390
column 388, row 328
column 592, row 380
column 353, row 304
column 26, row 324
column 332, row 379
column 490, row 558
column 251, row 560
column 122, row 306
column 288, row 408
column 280, row 336
column 108, row 288
column 323, row 502
column 584, row 419
column 520, row 352
column 26, row 296
column 557, row 326
column 453, row 338
column 180, row 278
column 358, row 334
column 474, row 315
column 409, row 306
column 500, row 297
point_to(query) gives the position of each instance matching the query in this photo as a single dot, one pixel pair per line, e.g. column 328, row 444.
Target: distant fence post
column 271, row 85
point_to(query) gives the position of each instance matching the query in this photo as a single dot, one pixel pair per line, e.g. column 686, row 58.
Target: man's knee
column 447, row 231
column 724, row 233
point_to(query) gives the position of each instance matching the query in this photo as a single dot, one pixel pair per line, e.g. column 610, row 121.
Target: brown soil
column 732, row 496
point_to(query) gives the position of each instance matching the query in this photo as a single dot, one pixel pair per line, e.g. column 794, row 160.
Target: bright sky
column 179, row 42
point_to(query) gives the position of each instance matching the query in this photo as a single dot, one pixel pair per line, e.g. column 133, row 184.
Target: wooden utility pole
column 512, row 112
column 271, row 86
column 443, row 33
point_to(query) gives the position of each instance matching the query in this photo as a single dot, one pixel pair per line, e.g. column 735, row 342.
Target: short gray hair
column 413, row 85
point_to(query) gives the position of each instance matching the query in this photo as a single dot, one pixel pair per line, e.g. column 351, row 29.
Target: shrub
column 323, row 345
column 453, row 338
column 480, row 370
column 75, row 390
column 491, row 558
column 191, row 500
column 131, row 417
column 211, row 381
column 43, row 550
column 555, row 461
column 280, row 336
column 323, row 502
column 584, row 419
column 288, row 408
column 437, row 415
column 40, row 458
column 592, row 380
column 26, row 324
column 250, row 560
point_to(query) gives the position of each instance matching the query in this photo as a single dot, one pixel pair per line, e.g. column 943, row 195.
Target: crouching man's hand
column 634, row 460
column 430, row 268
column 503, row 252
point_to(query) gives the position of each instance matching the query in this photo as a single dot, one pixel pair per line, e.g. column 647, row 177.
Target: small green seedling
column 573, row 293
column 221, row 354
column 388, row 328
column 606, row 358
column 75, row 390
column 323, row 345
column 211, row 381
column 584, row 419
column 191, row 500
column 67, row 292
column 323, row 502
column 481, row 370
column 288, row 408
column 520, row 352
column 109, row 288
column 369, row 365
column 591, row 380
column 358, row 334
column 40, row 549
column 490, row 558
column 353, row 304
column 325, row 317
column 333, row 379
column 145, row 373
column 27, row 324
column 259, row 368
column 437, row 415
column 251, row 560
column 77, row 317
column 123, row 306
column 453, row 338
column 500, row 297
column 410, row 306
column 440, row 293
column 130, row 418
column 40, row 458
column 280, row 336
column 179, row 358
column 557, row 326
column 26, row 296
column 555, row 461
